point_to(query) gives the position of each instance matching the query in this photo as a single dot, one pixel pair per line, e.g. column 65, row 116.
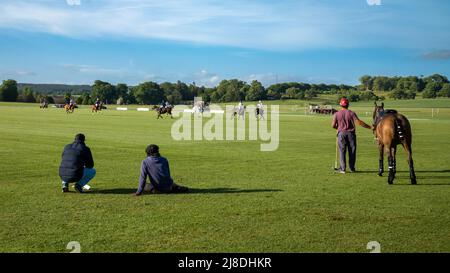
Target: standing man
column 344, row 122
column 77, row 165
column 157, row 169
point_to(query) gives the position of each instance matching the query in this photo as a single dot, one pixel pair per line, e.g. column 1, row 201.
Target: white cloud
column 92, row 69
column 204, row 78
column 268, row 25
column 230, row 23
column 19, row 73
column 73, row 2
column 374, row 2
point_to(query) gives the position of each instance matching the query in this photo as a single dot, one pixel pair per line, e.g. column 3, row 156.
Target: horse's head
column 378, row 113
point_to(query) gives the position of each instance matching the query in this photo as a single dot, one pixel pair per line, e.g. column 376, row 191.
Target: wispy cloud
column 281, row 25
column 437, row 55
column 73, row 2
column 16, row 73
column 92, row 69
column 205, row 78
column 374, row 2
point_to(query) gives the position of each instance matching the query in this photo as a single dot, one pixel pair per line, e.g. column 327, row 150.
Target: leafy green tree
column 445, row 91
column 85, row 99
column 121, row 90
column 431, row 90
column 104, row 91
column 436, row 78
column 67, row 97
column 273, row 95
column 183, row 89
column 50, row 99
column 229, row 90
column 175, row 97
column 256, row 91
column 310, row 94
column 292, row 92
column 366, row 82
column 148, row 93
column 8, row 90
column 368, row 96
column 28, row 95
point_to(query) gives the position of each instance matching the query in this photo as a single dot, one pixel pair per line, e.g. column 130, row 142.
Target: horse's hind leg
column 391, row 163
column 395, row 159
column 412, row 174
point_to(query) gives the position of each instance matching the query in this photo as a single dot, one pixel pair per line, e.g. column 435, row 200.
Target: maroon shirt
column 345, row 120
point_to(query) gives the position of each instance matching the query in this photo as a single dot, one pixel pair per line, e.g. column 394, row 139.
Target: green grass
column 243, row 200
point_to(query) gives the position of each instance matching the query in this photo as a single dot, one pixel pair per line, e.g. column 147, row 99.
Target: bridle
column 378, row 116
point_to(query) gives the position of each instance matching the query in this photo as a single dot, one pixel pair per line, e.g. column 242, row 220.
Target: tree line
column 369, row 88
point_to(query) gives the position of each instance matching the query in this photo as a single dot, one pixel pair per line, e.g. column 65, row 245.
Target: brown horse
column 392, row 129
column 96, row 109
column 69, row 108
column 163, row 110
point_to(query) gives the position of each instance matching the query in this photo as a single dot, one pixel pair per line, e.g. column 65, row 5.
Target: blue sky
column 130, row 41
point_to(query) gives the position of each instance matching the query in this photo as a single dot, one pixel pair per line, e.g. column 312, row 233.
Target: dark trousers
column 174, row 189
column 347, row 141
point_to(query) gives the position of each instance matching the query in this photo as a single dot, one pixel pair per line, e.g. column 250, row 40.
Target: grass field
column 242, row 200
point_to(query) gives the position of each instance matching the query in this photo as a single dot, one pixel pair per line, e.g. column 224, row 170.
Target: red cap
column 344, row 102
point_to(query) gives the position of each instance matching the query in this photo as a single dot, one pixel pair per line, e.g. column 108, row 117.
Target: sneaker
column 78, row 188
column 65, row 189
column 340, row 171
column 353, row 170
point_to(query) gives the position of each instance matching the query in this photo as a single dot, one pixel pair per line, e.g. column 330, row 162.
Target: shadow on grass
column 191, row 191
column 422, row 184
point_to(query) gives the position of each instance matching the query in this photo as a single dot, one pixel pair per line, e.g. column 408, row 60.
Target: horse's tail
column 399, row 129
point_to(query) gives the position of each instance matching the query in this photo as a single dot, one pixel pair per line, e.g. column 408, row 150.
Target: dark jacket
column 75, row 158
column 157, row 169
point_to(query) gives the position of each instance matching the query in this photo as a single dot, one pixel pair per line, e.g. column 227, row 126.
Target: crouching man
column 77, row 165
column 157, row 169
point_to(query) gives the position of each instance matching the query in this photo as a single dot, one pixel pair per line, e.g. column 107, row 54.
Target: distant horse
column 69, row 108
column 259, row 112
column 391, row 129
column 163, row 110
column 240, row 112
column 96, row 108
column 327, row 111
column 43, row 105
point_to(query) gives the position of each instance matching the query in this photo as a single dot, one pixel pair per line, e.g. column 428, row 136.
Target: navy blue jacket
column 157, row 169
column 75, row 158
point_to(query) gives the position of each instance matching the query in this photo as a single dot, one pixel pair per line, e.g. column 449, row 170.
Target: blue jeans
column 88, row 174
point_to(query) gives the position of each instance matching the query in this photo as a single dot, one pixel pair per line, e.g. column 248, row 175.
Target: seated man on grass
column 157, row 169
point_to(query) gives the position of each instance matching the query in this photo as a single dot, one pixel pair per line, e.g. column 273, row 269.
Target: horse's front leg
column 381, row 160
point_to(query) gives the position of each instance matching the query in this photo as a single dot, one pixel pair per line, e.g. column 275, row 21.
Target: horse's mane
column 390, row 111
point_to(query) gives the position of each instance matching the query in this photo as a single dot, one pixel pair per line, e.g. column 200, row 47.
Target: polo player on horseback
column 98, row 104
